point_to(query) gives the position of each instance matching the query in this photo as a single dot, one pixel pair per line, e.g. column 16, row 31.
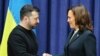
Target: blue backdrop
column 53, row 28
column 3, row 10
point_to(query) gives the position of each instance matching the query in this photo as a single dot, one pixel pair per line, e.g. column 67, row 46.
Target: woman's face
column 71, row 20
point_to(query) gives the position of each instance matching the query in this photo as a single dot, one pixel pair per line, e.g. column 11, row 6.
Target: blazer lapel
column 67, row 41
column 74, row 37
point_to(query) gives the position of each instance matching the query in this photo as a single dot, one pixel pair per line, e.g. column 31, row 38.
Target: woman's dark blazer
column 82, row 44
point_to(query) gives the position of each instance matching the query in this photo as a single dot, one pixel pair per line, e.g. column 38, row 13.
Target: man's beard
column 33, row 27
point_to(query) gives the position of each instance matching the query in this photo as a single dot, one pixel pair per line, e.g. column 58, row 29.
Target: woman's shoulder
column 87, row 33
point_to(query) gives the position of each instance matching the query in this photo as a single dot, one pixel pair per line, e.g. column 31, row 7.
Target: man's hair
column 27, row 9
column 82, row 17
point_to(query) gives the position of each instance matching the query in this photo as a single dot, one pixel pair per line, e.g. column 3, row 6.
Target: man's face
column 33, row 19
column 71, row 19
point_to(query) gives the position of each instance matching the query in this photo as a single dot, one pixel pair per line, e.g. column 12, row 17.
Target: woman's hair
column 82, row 17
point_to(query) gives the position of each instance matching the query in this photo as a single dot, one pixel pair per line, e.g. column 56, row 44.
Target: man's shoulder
column 17, row 31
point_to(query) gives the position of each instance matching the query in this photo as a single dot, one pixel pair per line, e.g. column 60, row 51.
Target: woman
column 81, row 41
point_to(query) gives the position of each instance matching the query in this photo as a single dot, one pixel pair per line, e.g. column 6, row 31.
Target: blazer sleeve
column 18, row 46
column 58, row 55
column 90, row 45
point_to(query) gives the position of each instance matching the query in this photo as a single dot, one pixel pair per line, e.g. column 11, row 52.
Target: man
column 22, row 40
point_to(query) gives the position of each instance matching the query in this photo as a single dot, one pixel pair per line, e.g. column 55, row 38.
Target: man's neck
column 24, row 25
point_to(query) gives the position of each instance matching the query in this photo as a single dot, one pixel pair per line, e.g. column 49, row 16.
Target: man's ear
column 25, row 18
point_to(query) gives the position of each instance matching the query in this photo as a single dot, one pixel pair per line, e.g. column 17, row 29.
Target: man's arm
column 17, row 44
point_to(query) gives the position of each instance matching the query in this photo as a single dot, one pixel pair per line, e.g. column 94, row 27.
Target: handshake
column 46, row 54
